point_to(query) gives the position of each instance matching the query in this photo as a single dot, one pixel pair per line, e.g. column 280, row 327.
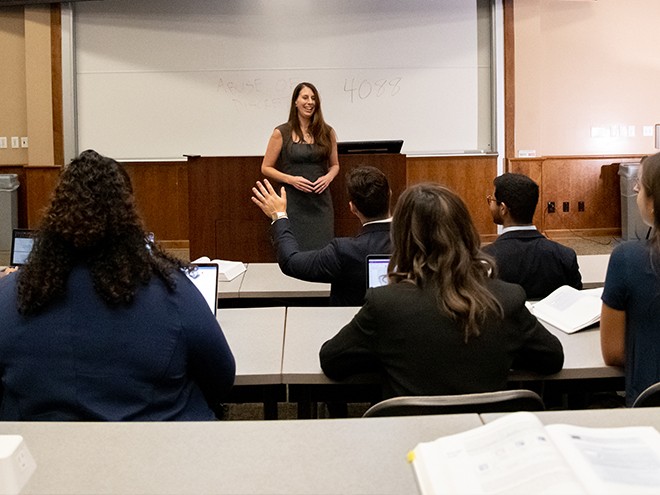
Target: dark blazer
column 528, row 258
column 342, row 262
column 401, row 333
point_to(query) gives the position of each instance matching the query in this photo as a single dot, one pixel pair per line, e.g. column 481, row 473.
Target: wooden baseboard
column 174, row 244
column 566, row 233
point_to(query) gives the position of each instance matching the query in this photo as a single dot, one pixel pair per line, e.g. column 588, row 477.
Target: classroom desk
column 598, row 418
column 593, row 268
column 230, row 289
column 348, row 456
column 307, row 328
column 256, row 338
column 266, row 280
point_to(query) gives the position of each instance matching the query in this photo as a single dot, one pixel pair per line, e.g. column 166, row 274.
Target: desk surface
column 593, row 268
column 348, row 456
column 256, row 338
column 307, row 328
column 267, row 280
column 597, row 418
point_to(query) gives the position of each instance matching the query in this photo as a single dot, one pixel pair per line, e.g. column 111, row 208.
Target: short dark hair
column 519, row 193
column 369, row 191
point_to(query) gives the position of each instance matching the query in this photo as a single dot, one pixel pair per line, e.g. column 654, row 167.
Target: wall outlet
column 565, row 206
column 24, row 142
column 551, row 206
column 15, row 143
column 580, row 205
column 3, row 142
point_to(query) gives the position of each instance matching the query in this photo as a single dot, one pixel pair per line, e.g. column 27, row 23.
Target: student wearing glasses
column 630, row 316
column 523, row 255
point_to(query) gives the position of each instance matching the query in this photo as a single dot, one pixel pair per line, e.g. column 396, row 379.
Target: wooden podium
column 225, row 224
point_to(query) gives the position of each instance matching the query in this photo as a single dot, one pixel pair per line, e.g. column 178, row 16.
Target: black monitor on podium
column 368, row 147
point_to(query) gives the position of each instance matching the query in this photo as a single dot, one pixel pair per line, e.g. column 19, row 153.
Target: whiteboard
column 157, row 79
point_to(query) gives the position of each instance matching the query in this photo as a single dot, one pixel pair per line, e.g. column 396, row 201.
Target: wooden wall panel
column 161, row 190
column 593, row 180
column 224, row 223
column 39, row 184
column 471, row 177
column 161, row 194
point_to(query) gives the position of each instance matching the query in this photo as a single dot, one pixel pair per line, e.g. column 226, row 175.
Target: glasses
column 490, row 199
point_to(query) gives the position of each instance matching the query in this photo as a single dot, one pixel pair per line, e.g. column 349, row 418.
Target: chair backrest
column 500, row 401
column 649, row 397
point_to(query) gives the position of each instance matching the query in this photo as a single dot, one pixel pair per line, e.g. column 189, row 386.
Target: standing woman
column 302, row 155
column 630, row 317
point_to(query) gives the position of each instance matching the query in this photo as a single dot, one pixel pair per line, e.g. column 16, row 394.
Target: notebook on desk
column 377, row 269
column 21, row 245
column 205, row 278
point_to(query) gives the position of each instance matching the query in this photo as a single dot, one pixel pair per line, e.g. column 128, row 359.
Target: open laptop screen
column 377, row 269
column 205, row 278
column 21, row 245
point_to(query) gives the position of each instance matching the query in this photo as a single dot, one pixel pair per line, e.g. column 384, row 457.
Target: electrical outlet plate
column 3, row 142
column 24, row 142
column 551, row 206
column 15, row 143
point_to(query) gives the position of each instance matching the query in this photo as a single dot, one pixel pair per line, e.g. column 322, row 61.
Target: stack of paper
column 227, row 270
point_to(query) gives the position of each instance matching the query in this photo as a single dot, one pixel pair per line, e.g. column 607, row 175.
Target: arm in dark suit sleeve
column 349, row 352
column 322, row 265
column 574, row 275
column 540, row 351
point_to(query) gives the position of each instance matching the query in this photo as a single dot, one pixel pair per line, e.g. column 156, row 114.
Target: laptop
column 21, row 245
column 205, row 278
column 377, row 269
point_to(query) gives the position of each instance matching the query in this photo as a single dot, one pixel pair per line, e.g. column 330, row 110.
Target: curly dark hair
column 92, row 220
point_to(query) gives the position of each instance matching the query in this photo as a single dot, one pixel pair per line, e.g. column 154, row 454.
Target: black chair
column 501, row 401
column 649, row 397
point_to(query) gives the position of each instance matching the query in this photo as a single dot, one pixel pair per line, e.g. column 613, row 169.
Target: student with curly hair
column 442, row 325
column 100, row 323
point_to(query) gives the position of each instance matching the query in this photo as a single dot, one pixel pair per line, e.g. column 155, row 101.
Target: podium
column 224, row 223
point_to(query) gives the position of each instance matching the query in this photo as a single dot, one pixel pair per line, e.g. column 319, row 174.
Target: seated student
column 342, row 262
column 98, row 325
column 523, row 255
column 629, row 331
column 441, row 325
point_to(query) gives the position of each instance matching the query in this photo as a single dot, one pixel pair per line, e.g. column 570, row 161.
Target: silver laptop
column 21, row 245
column 377, row 269
column 205, row 278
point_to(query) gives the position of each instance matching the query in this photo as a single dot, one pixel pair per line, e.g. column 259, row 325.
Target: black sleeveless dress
column 311, row 215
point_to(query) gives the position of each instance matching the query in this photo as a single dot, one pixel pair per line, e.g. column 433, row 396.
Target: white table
column 598, row 418
column 256, row 338
column 307, row 328
column 348, row 456
column 593, row 268
column 266, row 280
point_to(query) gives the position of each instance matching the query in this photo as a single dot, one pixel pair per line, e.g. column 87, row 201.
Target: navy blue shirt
column 164, row 357
column 632, row 285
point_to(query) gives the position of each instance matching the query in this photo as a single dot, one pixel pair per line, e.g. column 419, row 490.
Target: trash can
column 632, row 226
column 8, row 209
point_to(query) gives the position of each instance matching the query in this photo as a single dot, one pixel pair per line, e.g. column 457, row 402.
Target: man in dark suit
column 342, row 262
column 525, row 256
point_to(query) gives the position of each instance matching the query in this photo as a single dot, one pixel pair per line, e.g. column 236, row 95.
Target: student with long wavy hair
column 442, row 325
column 630, row 316
column 302, row 155
column 100, row 323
